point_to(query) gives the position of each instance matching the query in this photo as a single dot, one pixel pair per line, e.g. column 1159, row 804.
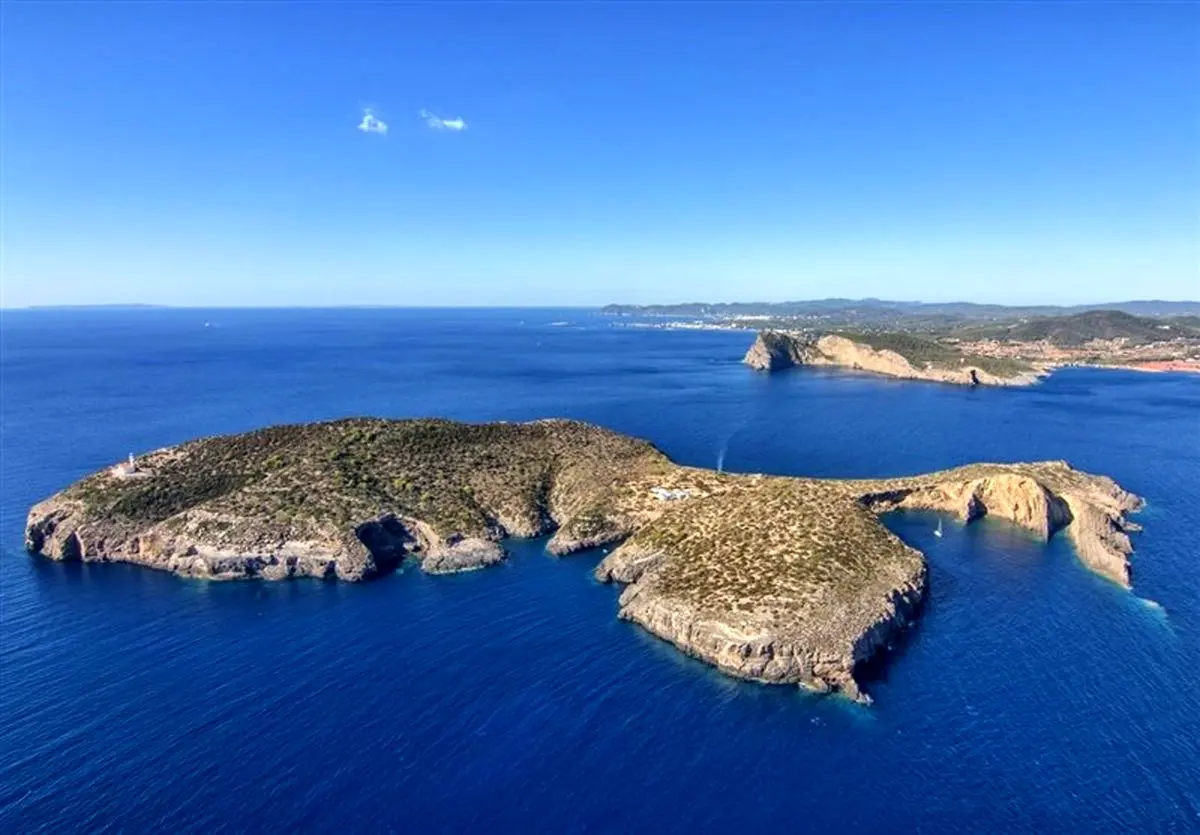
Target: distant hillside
column 883, row 311
column 1067, row 331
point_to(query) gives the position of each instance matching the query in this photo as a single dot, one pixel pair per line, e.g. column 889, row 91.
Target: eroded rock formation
column 774, row 350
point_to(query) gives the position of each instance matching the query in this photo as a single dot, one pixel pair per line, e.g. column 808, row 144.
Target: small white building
column 125, row 468
column 664, row 494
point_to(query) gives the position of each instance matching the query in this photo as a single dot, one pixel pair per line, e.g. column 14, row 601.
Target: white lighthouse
column 125, row 468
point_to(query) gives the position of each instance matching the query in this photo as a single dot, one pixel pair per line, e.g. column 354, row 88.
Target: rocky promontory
column 786, row 580
column 893, row 355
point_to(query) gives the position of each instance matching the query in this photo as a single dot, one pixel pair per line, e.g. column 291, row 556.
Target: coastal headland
column 987, row 362
column 958, row 343
column 892, row 355
column 774, row 579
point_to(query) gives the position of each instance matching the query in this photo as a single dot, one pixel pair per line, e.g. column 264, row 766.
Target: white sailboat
column 938, row 532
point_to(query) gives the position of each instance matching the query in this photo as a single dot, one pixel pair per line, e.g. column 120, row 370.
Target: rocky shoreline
column 774, row 350
column 781, row 580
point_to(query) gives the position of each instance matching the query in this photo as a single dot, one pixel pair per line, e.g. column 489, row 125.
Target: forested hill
column 1085, row 327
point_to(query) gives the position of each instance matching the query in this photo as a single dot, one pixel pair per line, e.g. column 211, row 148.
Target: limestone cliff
column 773, row 350
column 786, row 580
column 774, row 580
column 795, row 580
column 1043, row 498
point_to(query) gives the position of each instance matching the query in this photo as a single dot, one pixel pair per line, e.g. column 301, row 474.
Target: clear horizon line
column 126, row 306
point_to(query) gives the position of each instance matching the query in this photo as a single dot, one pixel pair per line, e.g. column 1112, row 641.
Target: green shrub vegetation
column 451, row 475
column 922, row 351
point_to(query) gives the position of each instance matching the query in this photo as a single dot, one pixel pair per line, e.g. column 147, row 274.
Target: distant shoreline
column 718, row 310
column 1152, row 367
column 314, row 307
column 117, row 306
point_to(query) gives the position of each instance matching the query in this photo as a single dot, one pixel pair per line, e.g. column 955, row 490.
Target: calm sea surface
column 1033, row 696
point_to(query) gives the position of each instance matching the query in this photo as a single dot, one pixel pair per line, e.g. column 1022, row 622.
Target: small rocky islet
column 769, row 578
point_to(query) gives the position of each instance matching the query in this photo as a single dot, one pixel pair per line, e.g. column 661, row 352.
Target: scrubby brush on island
column 783, row 580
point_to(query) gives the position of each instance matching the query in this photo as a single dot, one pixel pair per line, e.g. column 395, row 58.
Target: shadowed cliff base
column 774, row 579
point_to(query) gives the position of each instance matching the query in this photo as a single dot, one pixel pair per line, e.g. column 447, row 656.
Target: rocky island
column 900, row 355
column 774, row 579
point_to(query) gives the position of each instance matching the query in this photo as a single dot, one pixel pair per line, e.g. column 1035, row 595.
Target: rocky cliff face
column 1043, row 498
column 795, row 580
column 772, row 351
column 217, row 546
column 793, row 606
column 784, row 580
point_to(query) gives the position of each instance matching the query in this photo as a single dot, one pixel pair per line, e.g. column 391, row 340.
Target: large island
column 786, row 580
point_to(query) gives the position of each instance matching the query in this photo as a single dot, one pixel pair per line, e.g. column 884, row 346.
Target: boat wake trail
column 724, row 449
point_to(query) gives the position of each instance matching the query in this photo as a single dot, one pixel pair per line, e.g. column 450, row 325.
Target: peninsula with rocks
column 958, row 343
column 773, row 579
column 899, row 355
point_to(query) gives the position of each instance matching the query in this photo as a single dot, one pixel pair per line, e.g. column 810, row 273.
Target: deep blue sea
column 1033, row 696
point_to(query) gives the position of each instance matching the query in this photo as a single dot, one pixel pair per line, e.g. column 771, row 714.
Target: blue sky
column 211, row 153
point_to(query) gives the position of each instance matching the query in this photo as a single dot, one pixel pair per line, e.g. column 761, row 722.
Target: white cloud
column 438, row 123
column 371, row 123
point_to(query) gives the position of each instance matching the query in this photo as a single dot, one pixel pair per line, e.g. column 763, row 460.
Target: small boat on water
column 938, row 531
